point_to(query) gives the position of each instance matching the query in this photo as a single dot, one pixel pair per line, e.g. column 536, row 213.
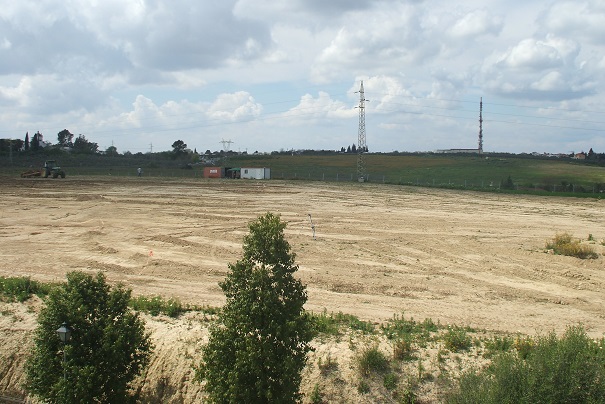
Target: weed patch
column 22, row 288
column 157, row 305
column 564, row 244
column 331, row 324
column 456, row 339
column 372, row 360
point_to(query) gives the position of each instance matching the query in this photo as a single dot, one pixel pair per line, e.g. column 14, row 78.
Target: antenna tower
column 481, row 126
column 361, row 142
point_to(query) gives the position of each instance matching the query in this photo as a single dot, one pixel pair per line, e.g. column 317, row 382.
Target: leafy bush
column 566, row 370
column 156, row 305
column 402, row 348
column 398, row 327
column 372, row 360
column 456, row 339
column 498, row 345
column 523, row 346
column 109, row 346
column 330, row 324
column 22, row 288
column 563, row 244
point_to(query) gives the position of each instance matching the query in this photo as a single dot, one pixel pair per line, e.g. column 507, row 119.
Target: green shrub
column 564, row 244
column 363, row 387
column 456, row 339
column 498, row 345
column 402, row 348
column 399, row 326
column 157, row 305
column 566, row 370
column 330, row 324
column 316, row 395
column 523, row 346
column 372, row 360
column 22, row 288
column 390, row 381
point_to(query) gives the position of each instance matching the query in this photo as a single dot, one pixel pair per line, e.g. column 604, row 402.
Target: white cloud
column 234, row 107
column 475, row 23
column 162, row 69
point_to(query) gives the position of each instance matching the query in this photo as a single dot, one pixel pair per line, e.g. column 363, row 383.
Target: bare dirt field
column 465, row 258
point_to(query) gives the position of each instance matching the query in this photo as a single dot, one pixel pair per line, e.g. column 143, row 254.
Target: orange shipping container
column 214, row 172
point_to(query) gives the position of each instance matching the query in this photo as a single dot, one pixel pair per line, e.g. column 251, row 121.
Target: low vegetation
column 402, row 359
column 565, row 244
column 570, row 369
column 22, row 288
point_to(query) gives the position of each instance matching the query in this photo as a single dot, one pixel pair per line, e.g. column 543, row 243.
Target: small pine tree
column 108, row 348
column 257, row 350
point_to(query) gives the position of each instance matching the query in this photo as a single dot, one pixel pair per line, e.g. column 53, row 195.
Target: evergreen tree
column 108, row 347
column 35, row 142
column 26, row 144
column 257, row 350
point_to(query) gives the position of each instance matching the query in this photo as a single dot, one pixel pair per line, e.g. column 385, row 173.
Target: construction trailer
column 263, row 173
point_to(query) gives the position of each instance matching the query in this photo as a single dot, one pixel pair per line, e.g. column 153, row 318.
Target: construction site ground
column 465, row 258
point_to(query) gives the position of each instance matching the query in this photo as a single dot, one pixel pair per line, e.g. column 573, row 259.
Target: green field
column 487, row 172
column 438, row 170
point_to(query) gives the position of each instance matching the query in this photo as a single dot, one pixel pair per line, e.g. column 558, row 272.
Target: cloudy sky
column 283, row 74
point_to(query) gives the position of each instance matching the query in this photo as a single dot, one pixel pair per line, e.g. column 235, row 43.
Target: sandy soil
column 465, row 258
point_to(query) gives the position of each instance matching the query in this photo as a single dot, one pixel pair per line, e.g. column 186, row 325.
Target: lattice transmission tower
column 226, row 145
column 361, row 142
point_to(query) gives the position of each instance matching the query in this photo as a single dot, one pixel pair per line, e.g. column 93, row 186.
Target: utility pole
column 361, row 142
column 481, row 126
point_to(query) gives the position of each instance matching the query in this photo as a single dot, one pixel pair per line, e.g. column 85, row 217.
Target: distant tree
column 35, row 142
column 257, row 351
column 348, row 149
column 591, row 155
column 26, row 143
column 108, row 349
column 179, row 148
column 65, row 138
column 508, row 184
column 112, row 151
column 208, row 152
column 17, row 145
column 82, row 145
column 353, row 148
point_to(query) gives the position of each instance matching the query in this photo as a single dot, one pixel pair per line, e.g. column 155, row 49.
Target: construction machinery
column 50, row 169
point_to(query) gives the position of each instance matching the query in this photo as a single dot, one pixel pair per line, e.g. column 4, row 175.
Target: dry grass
column 564, row 244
